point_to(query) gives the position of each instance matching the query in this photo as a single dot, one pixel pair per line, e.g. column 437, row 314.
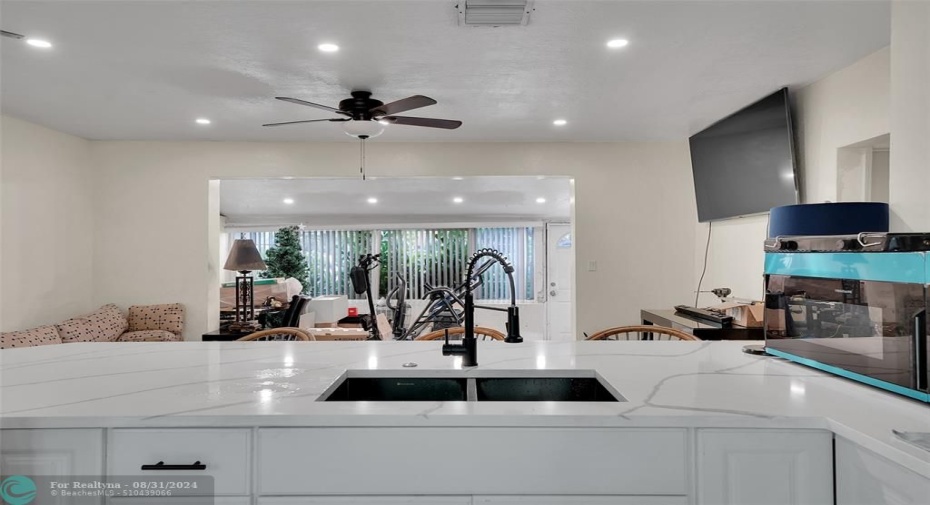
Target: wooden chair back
column 481, row 333
column 278, row 335
column 642, row 332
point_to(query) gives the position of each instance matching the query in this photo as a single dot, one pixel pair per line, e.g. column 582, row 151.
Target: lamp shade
column 244, row 256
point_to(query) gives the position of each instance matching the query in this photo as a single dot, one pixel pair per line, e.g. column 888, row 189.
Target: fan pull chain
column 361, row 168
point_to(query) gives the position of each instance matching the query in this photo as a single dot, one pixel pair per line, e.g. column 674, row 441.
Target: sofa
column 143, row 323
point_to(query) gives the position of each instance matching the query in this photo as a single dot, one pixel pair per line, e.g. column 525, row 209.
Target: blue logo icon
column 18, row 490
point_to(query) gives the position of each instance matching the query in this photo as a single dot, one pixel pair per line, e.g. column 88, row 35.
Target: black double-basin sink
column 480, row 386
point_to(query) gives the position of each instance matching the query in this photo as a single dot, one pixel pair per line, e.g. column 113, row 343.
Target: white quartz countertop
column 222, row 384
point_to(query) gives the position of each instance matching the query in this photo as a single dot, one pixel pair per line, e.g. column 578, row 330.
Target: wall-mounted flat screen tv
column 745, row 163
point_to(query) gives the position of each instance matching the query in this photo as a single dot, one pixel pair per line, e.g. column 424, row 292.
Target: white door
column 580, row 500
column 30, row 458
column 865, row 478
column 366, row 500
column 190, row 500
column 560, row 272
column 764, row 467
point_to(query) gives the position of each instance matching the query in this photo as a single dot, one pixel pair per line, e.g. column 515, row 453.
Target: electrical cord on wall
column 710, row 226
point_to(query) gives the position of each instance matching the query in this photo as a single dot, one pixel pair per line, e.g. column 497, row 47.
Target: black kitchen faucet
column 468, row 349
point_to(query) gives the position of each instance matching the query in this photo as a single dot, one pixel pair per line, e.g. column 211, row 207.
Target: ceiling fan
column 364, row 117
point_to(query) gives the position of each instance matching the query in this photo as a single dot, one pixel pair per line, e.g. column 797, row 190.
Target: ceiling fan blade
column 311, row 104
column 402, row 105
column 447, row 124
column 307, row 121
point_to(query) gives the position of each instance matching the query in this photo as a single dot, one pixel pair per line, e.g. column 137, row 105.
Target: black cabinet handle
column 162, row 466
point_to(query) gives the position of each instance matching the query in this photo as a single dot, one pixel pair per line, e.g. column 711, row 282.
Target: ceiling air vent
column 494, row 12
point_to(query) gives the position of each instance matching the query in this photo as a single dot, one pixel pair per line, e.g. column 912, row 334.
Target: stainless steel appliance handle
column 864, row 235
column 920, row 349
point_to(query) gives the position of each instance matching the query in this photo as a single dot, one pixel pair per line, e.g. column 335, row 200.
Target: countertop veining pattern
column 216, row 384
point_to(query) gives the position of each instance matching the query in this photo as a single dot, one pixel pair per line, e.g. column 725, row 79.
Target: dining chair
column 279, row 335
column 642, row 332
column 481, row 333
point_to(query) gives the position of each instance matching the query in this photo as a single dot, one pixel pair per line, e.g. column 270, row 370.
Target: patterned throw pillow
column 105, row 324
column 166, row 317
column 43, row 335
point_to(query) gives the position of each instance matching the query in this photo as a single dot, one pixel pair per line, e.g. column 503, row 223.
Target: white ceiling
column 147, row 69
column 334, row 202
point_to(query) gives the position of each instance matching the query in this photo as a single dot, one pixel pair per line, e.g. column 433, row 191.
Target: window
column 425, row 258
column 517, row 244
column 330, row 255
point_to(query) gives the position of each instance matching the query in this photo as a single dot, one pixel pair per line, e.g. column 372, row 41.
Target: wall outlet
column 592, row 266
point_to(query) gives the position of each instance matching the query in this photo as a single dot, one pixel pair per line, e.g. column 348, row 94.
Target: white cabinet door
column 224, row 452
column 580, row 500
column 467, row 461
column 765, row 467
column 191, row 500
column 367, row 500
column 865, row 478
column 52, row 453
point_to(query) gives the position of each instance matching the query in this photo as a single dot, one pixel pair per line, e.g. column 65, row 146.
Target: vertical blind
column 331, row 254
column 517, row 245
column 423, row 257
column 435, row 257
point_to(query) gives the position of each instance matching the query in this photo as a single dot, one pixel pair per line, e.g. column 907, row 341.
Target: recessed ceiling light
column 372, row 200
column 458, row 178
column 289, row 201
column 540, row 200
column 328, row 48
column 617, row 43
column 458, row 199
column 203, row 120
column 560, row 122
column 44, row 44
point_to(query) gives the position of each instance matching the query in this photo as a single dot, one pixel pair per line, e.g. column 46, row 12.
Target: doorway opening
column 425, row 229
column 862, row 170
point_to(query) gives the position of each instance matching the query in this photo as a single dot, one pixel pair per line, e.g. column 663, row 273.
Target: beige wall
column 634, row 212
column 734, row 260
column 909, row 175
column 154, row 222
column 848, row 106
column 46, row 245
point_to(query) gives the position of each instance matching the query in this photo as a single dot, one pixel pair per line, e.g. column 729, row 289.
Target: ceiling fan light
column 363, row 128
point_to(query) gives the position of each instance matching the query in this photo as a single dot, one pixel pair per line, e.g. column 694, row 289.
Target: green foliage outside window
column 332, row 254
column 434, row 257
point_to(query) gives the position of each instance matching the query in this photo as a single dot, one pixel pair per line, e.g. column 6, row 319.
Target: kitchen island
column 702, row 422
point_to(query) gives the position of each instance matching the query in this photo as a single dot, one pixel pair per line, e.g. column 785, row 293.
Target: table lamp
column 244, row 258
